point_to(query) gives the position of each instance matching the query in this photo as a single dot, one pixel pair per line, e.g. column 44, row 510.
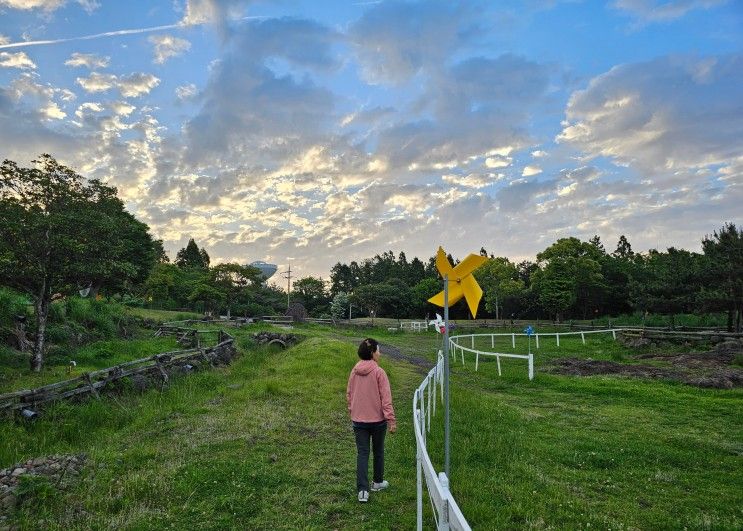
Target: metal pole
column 446, row 375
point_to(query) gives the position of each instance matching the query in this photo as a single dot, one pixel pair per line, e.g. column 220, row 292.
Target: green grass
column 14, row 366
column 161, row 316
column 266, row 444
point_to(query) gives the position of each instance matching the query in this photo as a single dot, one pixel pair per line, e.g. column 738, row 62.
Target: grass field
column 266, row 444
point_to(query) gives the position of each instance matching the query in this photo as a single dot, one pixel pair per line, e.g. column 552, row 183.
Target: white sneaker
column 363, row 496
column 376, row 487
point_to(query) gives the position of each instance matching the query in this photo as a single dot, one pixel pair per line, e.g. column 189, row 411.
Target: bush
column 11, row 304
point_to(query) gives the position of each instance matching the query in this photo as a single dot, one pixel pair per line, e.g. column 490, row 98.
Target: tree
column 192, row 256
column 312, row 292
column 339, row 306
column 499, row 279
column 724, row 253
column 59, row 233
column 669, row 282
column 570, row 276
column 421, row 292
column 232, row 279
column 208, row 295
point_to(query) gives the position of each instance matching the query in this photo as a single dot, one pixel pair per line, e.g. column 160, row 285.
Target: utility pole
column 288, row 277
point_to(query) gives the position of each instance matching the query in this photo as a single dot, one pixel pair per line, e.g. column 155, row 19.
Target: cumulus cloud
column 655, row 11
column 186, row 92
column 47, row 5
column 670, row 114
column 203, row 11
column 16, row 60
column 88, row 60
column 4, row 39
column 251, row 111
column 473, row 180
column 395, row 40
column 130, row 86
column 530, row 170
column 472, row 109
column 167, row 46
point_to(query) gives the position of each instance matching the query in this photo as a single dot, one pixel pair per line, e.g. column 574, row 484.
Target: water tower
column 265, row 268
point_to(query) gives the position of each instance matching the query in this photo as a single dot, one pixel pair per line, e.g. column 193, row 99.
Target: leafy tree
column 669, row 282
column 570, row 276
column 59, row 233
column 421, row 292
column 502, row 287
column 192, row 256
column 724, row 251
column 232, row 279
column 312, row 292
column 210, row 296
column 339, row 305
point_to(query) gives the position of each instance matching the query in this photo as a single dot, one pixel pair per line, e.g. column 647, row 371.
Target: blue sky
column 314, row 132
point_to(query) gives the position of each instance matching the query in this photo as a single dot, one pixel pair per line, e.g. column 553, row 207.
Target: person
column 370, row 406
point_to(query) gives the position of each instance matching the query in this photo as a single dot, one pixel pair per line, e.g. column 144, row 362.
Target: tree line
column 570, row 279
column 63, row 236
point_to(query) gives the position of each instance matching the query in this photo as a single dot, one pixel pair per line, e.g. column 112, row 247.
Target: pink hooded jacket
column 368, row 394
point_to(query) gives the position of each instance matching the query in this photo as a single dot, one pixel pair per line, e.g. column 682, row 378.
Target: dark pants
column 363, row 432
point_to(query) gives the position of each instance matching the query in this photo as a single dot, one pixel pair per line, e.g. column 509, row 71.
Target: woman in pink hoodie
column 370, row 405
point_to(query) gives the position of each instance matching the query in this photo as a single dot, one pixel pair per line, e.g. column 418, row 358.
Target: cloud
column 4, row 39
column 130, row 86
column 666, row 115
column 531, row 170
column 498, row 161
column 250, row 112
column 16, row 60
column 473, row 109
column 395, row 40
column 473, row 180
column 186, row 92
column 89, row 60
column 655, row 11
column 47, row 5
column 167, row 46
column 214, row 11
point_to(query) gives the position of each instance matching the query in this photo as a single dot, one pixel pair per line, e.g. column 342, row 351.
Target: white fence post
column 531, row 366
column 513, row 340
column 614, row 334
column 583, row 337
column 419, row 487
column 537, row 336
column 558, row 339
column 444, row 515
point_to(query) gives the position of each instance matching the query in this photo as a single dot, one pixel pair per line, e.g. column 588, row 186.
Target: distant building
column 267, row 269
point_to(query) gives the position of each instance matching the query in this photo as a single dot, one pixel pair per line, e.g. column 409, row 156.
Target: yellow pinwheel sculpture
column 461, row 281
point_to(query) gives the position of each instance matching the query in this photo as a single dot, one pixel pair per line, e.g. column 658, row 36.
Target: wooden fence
column 93, row 383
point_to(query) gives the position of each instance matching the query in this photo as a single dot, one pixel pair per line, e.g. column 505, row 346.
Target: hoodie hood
column 365, row 367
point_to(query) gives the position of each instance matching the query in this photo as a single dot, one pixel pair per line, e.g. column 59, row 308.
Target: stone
column 8, row 502
column 18, row 471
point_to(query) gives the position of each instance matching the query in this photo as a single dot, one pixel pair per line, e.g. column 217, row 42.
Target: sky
column 310, row 132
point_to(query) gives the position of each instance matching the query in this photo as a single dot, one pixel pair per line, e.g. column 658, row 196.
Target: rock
column 273, row 458
column 18, row 471
column 8, row 502
column 38, row 461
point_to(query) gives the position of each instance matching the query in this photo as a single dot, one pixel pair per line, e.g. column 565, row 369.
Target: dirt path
column 392, row 352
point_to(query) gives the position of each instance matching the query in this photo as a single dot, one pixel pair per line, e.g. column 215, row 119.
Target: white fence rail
column 456, row 345
column 445, row 509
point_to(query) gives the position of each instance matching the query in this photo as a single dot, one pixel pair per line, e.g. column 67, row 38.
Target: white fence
column 456, row 345
column 445, row 509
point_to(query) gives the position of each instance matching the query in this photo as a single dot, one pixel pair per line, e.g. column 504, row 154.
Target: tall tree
column 724, row 252
column 232, row 279
column 59, row 233
column 313, row 294
column 192, row 256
